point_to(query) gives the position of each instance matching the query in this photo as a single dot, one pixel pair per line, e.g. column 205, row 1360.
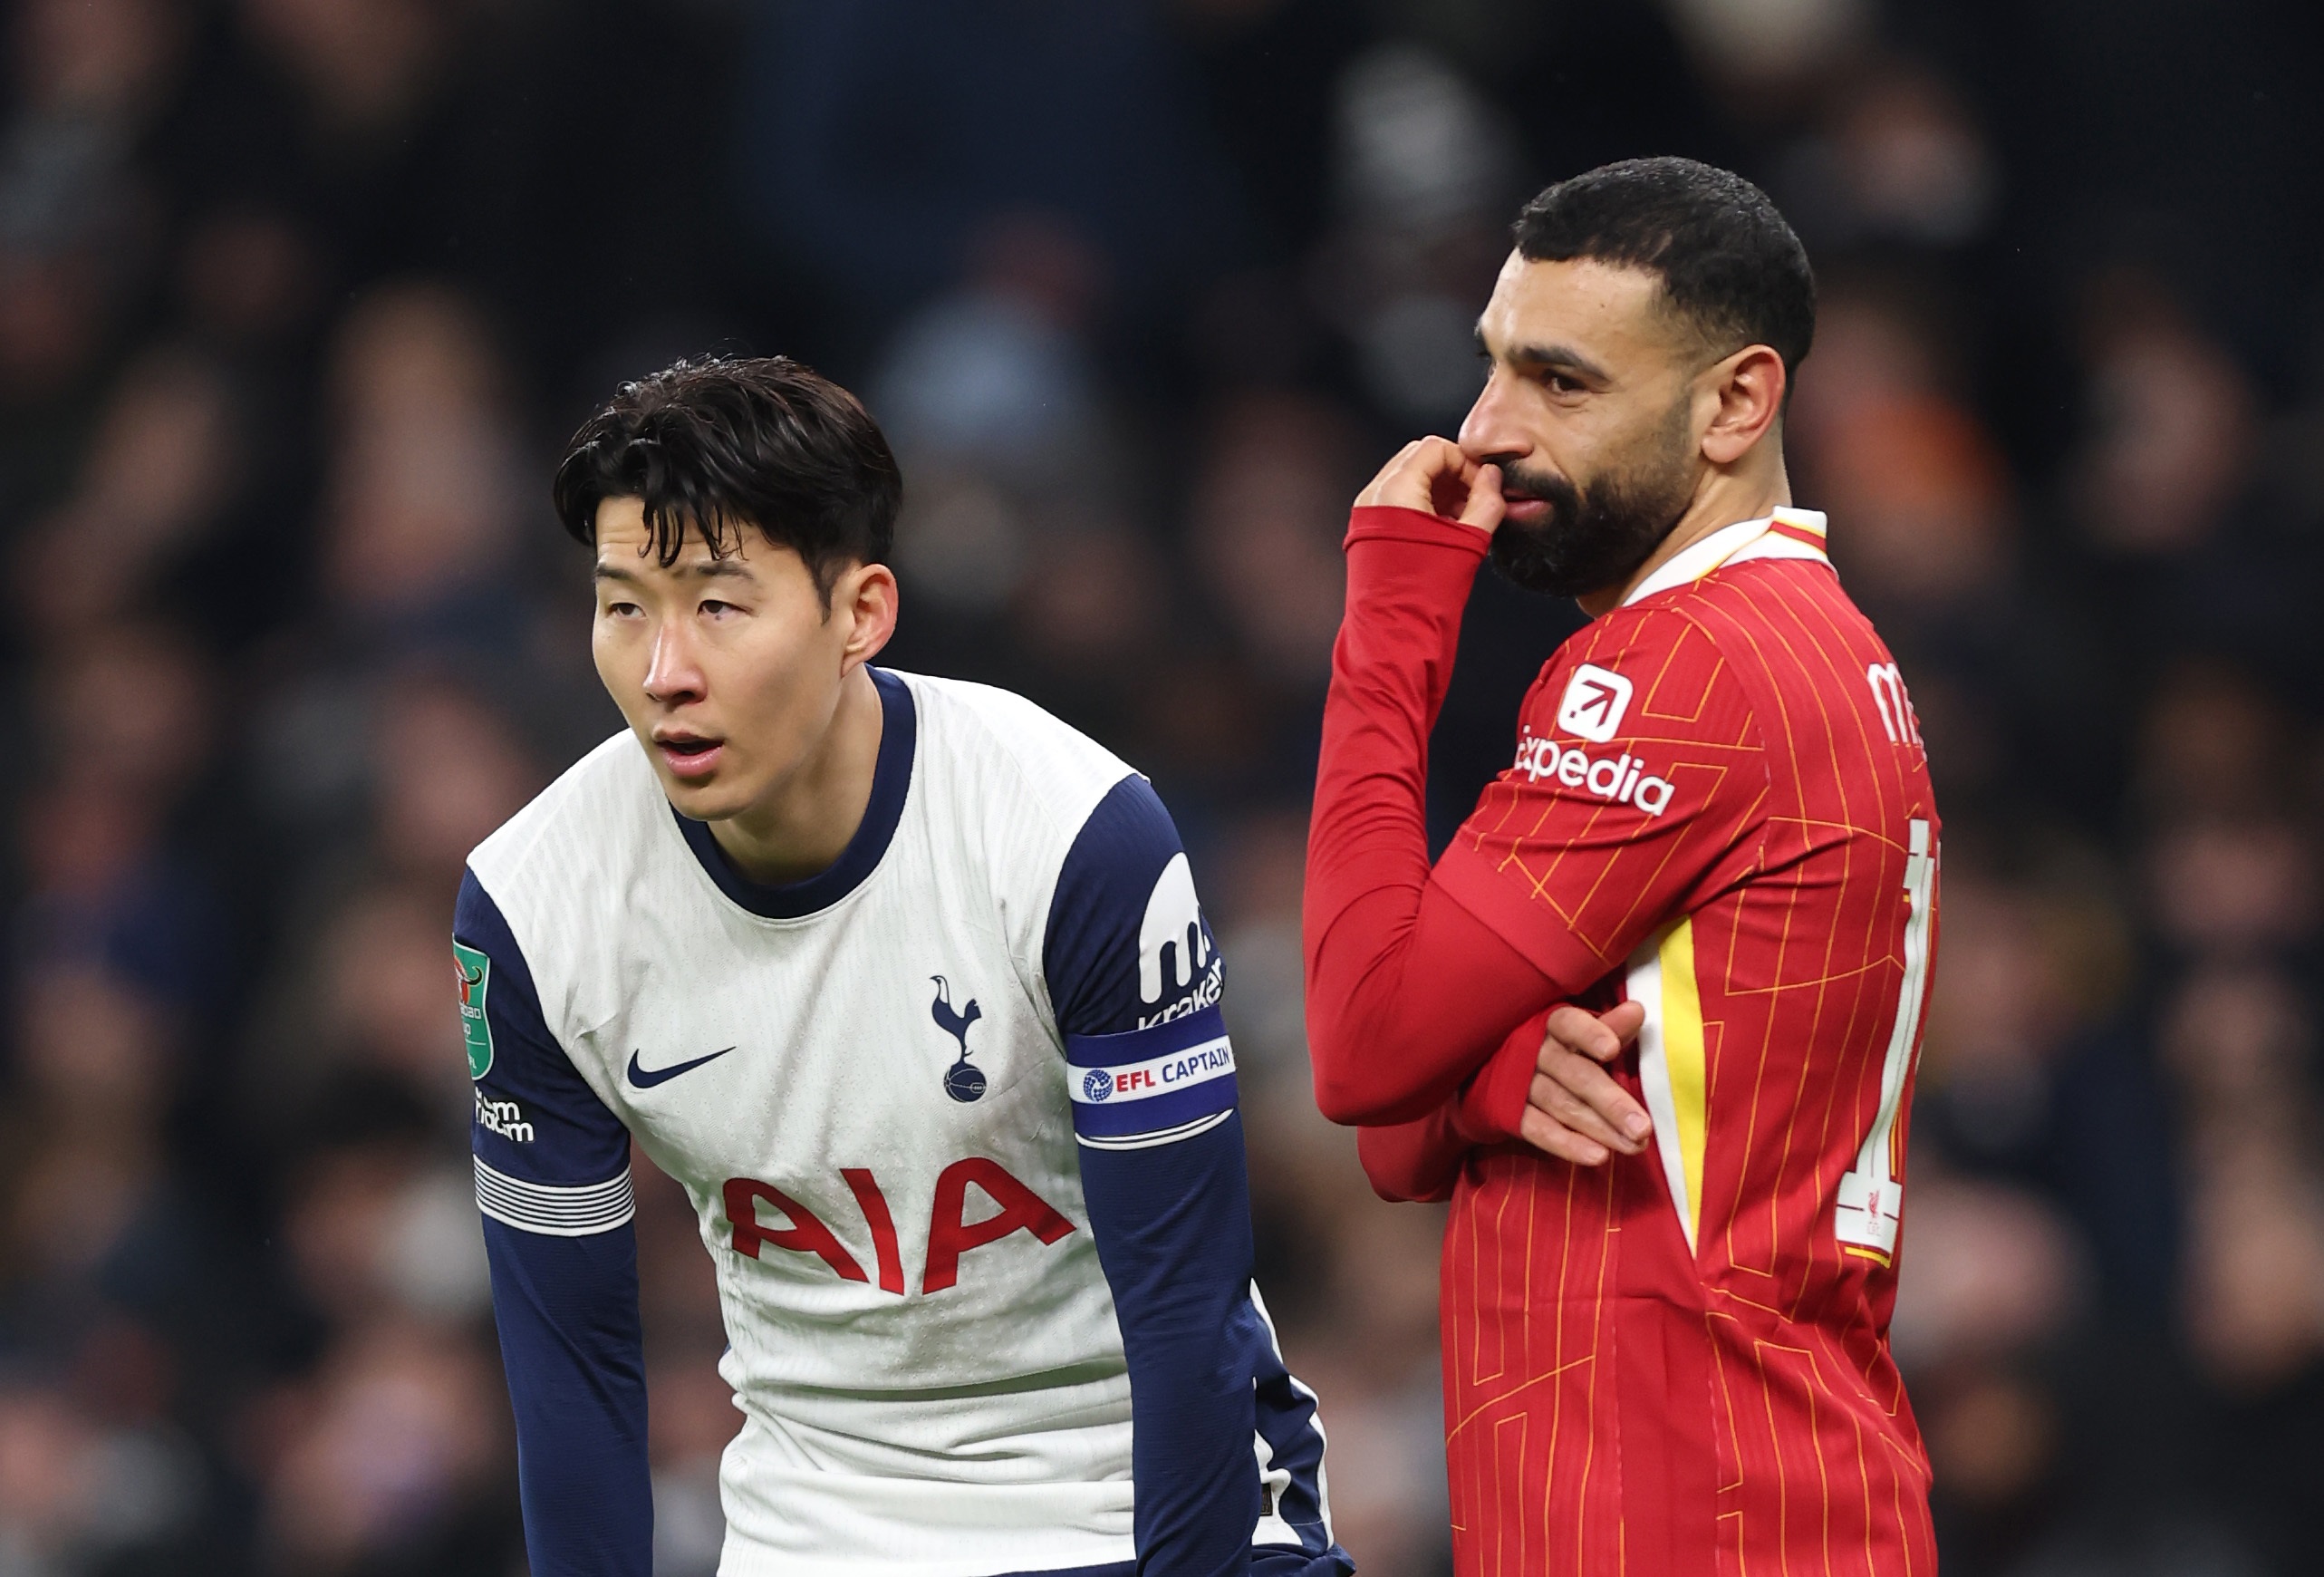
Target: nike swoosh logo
column 647, row 1078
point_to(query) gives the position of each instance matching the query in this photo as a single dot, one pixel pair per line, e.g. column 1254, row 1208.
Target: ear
column 1748, row 392
column 864, row 597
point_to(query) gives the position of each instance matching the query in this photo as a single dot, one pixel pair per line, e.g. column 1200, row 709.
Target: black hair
column 725, row 443
column 1730, row 264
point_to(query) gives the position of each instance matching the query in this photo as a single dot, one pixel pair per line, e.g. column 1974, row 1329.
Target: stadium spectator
column 297, row 299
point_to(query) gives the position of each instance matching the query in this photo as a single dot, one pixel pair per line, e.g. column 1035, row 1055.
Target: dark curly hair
column 1730, row 266
column 722, row 444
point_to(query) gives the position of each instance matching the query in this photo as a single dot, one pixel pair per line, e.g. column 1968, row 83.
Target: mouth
column 1523, row 508
column 689, row 755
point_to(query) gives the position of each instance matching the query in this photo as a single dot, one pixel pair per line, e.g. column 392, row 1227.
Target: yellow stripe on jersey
column 1670, row 1071
column 1682, row 1050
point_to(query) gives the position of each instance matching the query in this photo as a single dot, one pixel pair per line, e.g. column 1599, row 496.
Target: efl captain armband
column 1155, row 1086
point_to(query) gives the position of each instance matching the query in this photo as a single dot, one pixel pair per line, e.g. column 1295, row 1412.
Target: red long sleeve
column 1407, row 991
column 1421, row 1159
column 1416, row 1160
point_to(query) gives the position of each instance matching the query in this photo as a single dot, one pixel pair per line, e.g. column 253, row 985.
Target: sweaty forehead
column 1611, row 313
column 623, row 539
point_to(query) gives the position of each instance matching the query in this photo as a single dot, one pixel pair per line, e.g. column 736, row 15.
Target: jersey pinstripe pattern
column 1679, row 1362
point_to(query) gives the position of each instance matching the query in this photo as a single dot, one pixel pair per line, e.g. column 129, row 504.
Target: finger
column 1395, row 478
column 1442, row 457
column 1546, row 1135
column 1572, row 1029
column 1554, row 1100
column 1625, row 1019
column 1426, row 474
column 1484, row 508
column 1449, row 476
column 1597, row 1090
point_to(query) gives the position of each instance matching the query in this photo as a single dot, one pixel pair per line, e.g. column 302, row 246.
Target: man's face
column 728, row 668
column 1588, row 413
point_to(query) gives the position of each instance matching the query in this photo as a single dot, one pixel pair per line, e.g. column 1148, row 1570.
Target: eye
column 715, row 609
column 1559, row 384
column 621, row 610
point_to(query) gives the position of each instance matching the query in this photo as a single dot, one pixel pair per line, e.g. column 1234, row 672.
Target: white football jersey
column 868, row 1084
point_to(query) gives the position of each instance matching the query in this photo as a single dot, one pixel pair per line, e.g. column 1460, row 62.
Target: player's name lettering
column 503, row 1118
column 1622, row 779
column 1156, row 1074
column 1897, row 717
column 1205, row 994
column 950, row 1233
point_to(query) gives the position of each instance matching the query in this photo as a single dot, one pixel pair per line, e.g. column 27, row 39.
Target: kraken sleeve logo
column 1173, row 921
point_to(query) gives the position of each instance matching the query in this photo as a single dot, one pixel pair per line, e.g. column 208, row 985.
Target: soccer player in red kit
column 1669, row 1266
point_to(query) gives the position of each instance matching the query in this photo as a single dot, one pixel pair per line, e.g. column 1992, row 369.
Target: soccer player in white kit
column 907, row 984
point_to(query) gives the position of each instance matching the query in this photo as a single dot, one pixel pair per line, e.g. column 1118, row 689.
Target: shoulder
column 1744, row 603
column 1745, row 635
column 592, row 819
column 1654, row 669
column 1128, row 945
column 1031, row 766
column 1798, row 648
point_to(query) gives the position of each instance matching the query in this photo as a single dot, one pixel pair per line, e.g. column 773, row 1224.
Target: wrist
column 1492, row 1109
column 1397, row 523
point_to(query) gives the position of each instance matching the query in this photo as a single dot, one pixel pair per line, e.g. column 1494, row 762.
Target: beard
column 1594, row 535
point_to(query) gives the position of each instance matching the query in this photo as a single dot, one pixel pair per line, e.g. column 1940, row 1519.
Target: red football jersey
column 1678, row 1362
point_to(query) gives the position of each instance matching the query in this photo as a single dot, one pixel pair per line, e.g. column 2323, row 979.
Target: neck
column 802, row 827
column 1750, row 490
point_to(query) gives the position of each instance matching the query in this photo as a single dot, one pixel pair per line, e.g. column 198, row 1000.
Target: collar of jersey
column 1786, row 533
column 890, row 780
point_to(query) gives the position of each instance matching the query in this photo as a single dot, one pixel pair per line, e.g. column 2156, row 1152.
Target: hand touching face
column 1432, row 475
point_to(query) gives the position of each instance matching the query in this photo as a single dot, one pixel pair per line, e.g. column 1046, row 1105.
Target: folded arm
column 1421, row 1159
column 1407, row 992
column 1545, row 1086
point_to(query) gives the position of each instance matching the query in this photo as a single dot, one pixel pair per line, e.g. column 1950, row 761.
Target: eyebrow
column 1563, row 358
column 726, row 568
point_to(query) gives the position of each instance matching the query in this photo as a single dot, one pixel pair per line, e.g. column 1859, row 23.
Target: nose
column 1491, row 431
column 672, row 675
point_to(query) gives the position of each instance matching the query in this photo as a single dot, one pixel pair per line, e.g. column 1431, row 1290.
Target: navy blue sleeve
column 553, row 1181
column 1225, row 1455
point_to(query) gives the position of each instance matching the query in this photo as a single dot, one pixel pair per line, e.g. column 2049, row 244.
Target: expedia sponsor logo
column 503, row 1118
column 1595, row 699
column 1621, row 779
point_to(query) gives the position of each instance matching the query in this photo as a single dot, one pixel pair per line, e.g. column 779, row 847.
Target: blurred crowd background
column 298, row 299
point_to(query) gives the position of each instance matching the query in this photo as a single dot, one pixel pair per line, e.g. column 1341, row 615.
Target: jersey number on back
column 1872, row 1196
